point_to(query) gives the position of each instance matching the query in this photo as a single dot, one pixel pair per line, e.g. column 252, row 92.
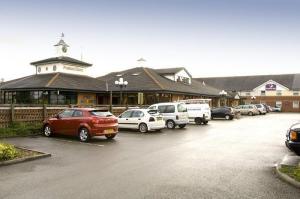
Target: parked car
column 222, row 112
column 261, row 108
column 268, row 108
column 199, row 113
column 82, row 122
column 249, row 109
column 293, row 138
column 173, row 113
column 276, row 109
column 142, row 119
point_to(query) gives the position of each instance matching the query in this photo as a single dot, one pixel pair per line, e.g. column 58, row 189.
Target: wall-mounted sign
column 270, row 87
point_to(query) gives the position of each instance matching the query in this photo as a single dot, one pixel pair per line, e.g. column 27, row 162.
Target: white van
column 199, row 113
column 174, row 114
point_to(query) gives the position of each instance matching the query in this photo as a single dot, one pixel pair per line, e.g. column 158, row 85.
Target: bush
column 19, row 129
column 8, row 152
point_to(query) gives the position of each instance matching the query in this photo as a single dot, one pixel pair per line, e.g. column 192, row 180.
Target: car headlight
column 293, row 135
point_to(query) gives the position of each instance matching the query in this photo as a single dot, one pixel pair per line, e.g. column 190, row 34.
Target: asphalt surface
column 224, row 159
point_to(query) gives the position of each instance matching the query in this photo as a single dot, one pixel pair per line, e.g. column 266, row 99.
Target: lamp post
column 223, row 94
column 121, row 84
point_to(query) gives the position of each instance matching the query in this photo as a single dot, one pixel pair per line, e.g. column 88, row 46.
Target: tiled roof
column 61, row 59
column 148, row 79
column 56, row 81
column 248, row 83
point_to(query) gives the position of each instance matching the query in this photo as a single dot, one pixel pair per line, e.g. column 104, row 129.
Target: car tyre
column 84, row 134
column 47, row 130
column 143, row 128
column 170, row 124
column 205, row 122
column 110, row 136
column 250, row 113
column 198, row 120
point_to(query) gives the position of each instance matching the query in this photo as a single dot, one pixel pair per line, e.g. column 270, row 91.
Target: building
column 61, row 80
column 275, row 90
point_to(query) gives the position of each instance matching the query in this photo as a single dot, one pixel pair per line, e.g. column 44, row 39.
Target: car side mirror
column 120, row 116
column 58, row 116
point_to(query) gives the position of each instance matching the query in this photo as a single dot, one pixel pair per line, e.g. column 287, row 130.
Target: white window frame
column 295, row 104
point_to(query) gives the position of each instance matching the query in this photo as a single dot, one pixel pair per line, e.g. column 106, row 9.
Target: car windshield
column 258, row 105
column 181, row 108
column 153, row 111
column 101, row 113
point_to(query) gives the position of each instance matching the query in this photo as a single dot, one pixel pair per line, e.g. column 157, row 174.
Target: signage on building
column 270, row 87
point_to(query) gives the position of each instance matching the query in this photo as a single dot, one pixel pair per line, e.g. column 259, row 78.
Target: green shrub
column 19, row 129
column 8, row 152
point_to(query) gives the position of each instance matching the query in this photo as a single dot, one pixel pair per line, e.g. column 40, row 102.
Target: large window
column 296, row 104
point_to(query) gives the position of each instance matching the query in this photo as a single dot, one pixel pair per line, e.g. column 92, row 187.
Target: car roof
column 167, row 103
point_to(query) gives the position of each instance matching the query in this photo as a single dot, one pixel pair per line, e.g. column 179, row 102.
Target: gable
column 271, row 85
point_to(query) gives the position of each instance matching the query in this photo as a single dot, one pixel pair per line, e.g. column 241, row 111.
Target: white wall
column 62, row 68
column 182, row 73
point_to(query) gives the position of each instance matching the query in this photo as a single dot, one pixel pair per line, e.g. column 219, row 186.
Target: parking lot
column 224, row 159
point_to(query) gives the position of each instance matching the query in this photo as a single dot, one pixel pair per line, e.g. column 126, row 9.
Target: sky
column 207, row 37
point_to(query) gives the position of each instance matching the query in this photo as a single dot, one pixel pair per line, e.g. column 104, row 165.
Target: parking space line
column 70, row 141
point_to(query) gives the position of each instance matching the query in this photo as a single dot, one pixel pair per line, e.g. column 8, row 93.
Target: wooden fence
column 33, row 113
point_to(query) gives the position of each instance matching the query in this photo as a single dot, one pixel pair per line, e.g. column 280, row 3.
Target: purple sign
column 270, row 87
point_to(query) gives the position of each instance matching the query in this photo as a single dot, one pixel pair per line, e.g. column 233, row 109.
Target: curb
column 286, row 178
column 25, row 159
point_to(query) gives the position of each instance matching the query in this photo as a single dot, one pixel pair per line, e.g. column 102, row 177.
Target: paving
column 224, row 159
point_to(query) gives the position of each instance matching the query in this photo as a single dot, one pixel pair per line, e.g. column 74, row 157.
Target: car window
column 181, row 108
column 101, row 113
column 170, row 109
column 152, row 107
column 66, row 113
column 258, row 105
column 78, row 113
column 137, row 114
column 126, row 114
column 162, row 108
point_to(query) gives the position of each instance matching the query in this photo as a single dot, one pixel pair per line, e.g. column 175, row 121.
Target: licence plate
column 109, row 131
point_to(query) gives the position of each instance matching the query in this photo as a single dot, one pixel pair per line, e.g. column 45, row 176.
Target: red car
column 82, row 122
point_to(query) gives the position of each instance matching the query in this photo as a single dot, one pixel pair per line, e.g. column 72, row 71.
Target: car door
column 74, row 122
column 62, row 122
column 136, row 119
column 124, row 119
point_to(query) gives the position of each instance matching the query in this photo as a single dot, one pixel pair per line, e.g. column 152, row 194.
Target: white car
column 142, row 119
column 174, row 114
column 199, row 113
column 261, row 108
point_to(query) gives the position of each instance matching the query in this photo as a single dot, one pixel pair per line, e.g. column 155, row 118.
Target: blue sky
column 209, row 38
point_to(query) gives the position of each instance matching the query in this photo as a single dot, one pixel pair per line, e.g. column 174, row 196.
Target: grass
column 10, row 152
column 20, row 129
column 292, row 171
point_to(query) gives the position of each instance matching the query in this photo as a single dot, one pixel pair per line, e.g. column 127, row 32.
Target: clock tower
column 61, row 46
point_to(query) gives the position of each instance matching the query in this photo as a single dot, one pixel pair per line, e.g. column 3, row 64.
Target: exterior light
column 293, row 135
column 121, row 84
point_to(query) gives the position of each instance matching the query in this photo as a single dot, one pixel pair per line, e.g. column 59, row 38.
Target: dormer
column 176, row 74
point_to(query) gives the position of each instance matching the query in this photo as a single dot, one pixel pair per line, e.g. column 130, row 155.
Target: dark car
column 293, row 138
column 82, row 122
column 222, row 112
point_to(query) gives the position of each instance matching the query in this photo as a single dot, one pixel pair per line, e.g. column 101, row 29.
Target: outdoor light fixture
column 121, row 84
column 253, row 97
column 223, row 93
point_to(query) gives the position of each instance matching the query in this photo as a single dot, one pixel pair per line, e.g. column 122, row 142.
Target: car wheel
column 250, row 113
column 47, row 130
column 84, row 135
column 182, row 126
column 170, row 124
column 205, row 122
column 227, row 117
column 198, row 120
column 143, row 128
column 110, row 136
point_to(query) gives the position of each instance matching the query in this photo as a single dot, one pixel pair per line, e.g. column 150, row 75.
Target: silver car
column 249, row 109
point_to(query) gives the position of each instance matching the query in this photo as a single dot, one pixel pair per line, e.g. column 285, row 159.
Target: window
column 127, row 114
column 66, row 113
column 247, row 94
column 152, row 107
column 278, row 93
column 137, row 114
column 295, row 93
column 39, row 69
column 170, row 109
column 181, row 108
column 101, row 113
column 54, row 68
column 46, row 68
column 295, row 104
column 78, row 113
column 262, row 93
